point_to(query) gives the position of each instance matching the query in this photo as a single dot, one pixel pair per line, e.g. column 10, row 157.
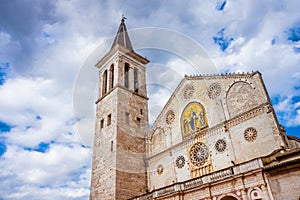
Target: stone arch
column 158, row 140
column 240, row 98
column 104, row 83
column 255, row 194
column 126, row 75
column 229, row 196
column 193, row 118
column 111, row 76
column 136, row 80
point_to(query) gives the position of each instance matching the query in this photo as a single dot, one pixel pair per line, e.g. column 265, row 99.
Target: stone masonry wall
column 285, row 184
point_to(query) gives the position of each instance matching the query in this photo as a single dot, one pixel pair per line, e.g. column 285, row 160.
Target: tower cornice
column 124, row 88
column 124, row 50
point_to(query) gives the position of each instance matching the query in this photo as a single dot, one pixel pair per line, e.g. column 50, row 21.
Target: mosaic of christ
column 193, row 118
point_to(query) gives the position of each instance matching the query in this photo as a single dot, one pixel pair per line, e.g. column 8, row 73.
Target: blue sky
column 43, row 45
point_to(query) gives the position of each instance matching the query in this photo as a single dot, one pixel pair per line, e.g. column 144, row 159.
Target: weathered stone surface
column 119, row 170
column 285, row 184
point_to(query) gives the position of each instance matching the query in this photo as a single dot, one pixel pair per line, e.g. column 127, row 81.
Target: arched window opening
column 136, row 80
column 109, row 120
column 229, row 198
column 126, row 75
column 240, row 96
column 104, row 84
column 111, row 77
column 102, row 123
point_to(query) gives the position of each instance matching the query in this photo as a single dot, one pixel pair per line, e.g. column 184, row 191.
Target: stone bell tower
column 119, row 170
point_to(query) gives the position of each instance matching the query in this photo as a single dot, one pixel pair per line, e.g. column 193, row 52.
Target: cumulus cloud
column 288, row 110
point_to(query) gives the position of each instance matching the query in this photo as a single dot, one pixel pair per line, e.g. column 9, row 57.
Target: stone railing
column 165, row 191
column 193, row 183
column 198, row 182
column 221, row 174
column 145, row 197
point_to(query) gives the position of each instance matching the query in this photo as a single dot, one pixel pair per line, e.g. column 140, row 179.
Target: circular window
column 214, row 90
column 188, row 91
column 250, row 134
column 180, row 161
column 160, row 169
column 170, row 116
column 198, row 154
column 220, row 145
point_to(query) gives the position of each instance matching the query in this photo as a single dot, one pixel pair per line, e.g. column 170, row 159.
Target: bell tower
column 119, row 170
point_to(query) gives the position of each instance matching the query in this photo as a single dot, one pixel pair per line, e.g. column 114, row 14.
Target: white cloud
column 288, row 111
column 52, row 169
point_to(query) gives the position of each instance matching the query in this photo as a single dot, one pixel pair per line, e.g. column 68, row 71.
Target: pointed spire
column 122, row 37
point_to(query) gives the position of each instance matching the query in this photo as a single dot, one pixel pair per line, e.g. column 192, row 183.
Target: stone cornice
column 265, row 107
column 289, row 163
column 124, row 88
column 120, row 48
column 222, row 76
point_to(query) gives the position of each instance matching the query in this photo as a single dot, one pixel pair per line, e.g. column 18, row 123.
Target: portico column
column 265, row 192
column 244, row 195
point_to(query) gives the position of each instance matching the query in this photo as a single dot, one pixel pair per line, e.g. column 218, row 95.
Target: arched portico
column 228, row 198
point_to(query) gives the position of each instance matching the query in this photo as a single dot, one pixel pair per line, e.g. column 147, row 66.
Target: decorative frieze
column 247, row 115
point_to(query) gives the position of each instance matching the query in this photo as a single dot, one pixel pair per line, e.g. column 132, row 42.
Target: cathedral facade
column 216, row 138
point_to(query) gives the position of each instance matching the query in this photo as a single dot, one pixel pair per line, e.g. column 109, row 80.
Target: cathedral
column 217, row 137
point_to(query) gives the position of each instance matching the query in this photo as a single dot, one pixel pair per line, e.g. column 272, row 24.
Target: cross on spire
column 123, row 17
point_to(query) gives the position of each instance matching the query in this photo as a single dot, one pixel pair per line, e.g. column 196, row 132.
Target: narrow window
column 138, row 121
column 111, row 146
column 109, row 120
column 136, row 80
column 104, row 84
column 127, row 117
column 102, row 123
column 141, row 111
column 126, row 75
column 111, row 76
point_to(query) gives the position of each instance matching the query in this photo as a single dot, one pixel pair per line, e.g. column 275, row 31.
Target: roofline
column 222, row 75
column 203, row 76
